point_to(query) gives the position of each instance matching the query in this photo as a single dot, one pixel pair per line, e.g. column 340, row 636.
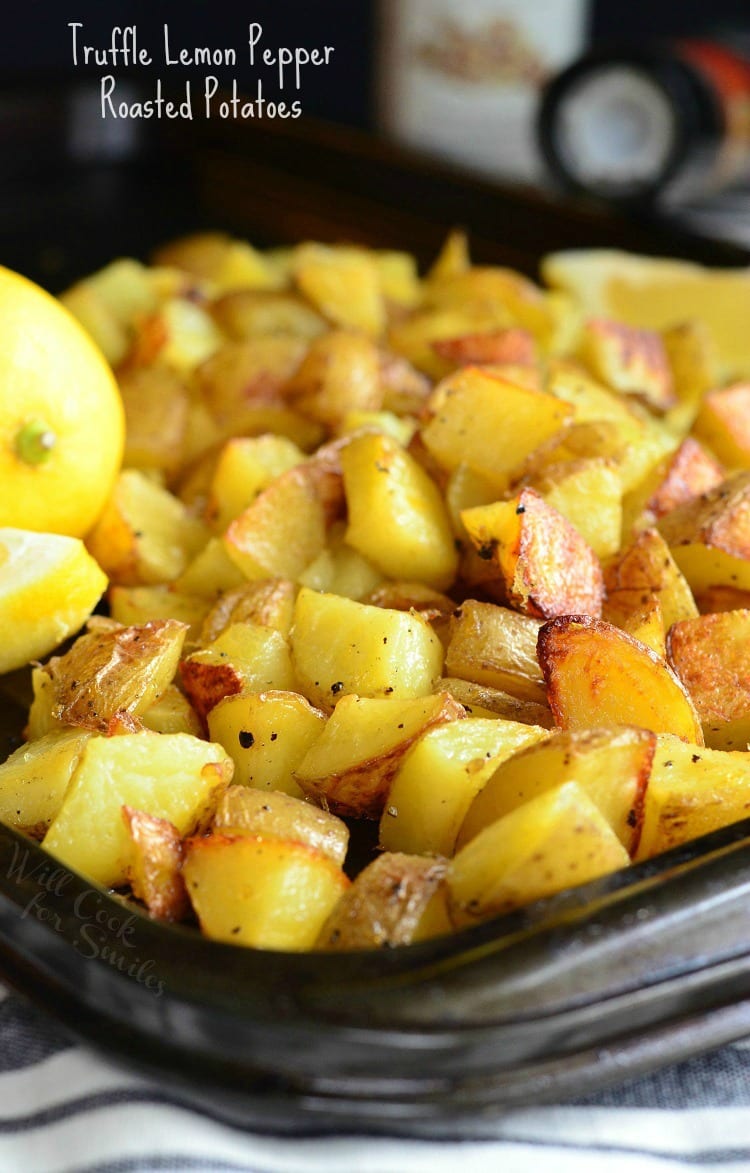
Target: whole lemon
column 62, row 423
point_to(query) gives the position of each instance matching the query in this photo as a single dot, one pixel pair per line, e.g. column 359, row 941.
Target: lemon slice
column 657, row 292
column 49, row 585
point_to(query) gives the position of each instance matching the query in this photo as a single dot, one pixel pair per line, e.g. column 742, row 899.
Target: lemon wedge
column 49, row 585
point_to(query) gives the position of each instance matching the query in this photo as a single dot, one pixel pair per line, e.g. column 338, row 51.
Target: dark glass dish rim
column 610, row 980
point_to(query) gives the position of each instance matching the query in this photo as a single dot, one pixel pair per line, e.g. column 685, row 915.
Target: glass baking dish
column 606, row 981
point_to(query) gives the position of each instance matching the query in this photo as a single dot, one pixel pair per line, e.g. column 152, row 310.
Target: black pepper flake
column 487, row 549
column 631, row 819
column 669, row 763
column 388, row 690
column 246, row 739
column 336, row 688
column 274, row 736
column 696, row 757
column 520, row 508
column 235, row 930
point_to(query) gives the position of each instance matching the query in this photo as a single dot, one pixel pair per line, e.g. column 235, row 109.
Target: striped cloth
column 64, row 1109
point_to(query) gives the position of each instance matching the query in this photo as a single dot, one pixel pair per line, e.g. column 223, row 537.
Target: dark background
column 36, row 44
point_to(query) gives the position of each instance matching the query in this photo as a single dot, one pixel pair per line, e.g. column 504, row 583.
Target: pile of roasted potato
column 430, row 551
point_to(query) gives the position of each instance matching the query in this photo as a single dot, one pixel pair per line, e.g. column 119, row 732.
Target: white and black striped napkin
column 64, row 1109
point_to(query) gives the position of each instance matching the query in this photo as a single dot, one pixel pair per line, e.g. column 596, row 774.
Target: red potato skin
column 207, row 684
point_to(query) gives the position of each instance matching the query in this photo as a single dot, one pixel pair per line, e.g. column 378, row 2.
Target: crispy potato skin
column 598, row 675
column 269, row 602
column 711, row 655
column 719, row 518
column 359, row 786
column 384, row 905
column 689, row 473
column 241, row 810
column 514, row 346
column 113, row 676
column 724, row 423
column 207, row 684
column 155, row 873
column 546, row 566
column 630, row 360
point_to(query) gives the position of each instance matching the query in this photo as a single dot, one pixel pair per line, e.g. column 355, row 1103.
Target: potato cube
column 494, row 646
column 210, row 573
column 344, row 284
column 145, row 535
column 692, row 360
column 545, row 566
column 512, row 346
column 340, row 569
column 629, row 360
column 440, row 776
column 473, row 411
column 385, row 904
column 266, row 734
column 172, row 776
column 172, row 713
column 482, row 700
column 642, row 440
column 399, row 279
column 273, row 815
column 723, row 423
column 265, row 893
column 156, row 415
column 241, row 377
column 710, row 536
column 268, row 602
column 249, row 313
column 110, row 673
column 246, row 465
column 611, row 765
column 711, row 656
column 245, row 657
column 645, row 568
column 340, row 646
column 154, row 869
column 352, row 764
column 639, row 615
column 282, row 531
column 34, row 779
column 340, row 373
column 397, row 518
column 598, row 676
column 588, row 493
column 557, row 840
column 691, row 792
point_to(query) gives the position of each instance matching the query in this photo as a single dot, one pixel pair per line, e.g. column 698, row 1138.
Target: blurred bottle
column 668, row 123
column 461, row 79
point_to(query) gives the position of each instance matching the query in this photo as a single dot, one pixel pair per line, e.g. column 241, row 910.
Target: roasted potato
column 597, row 676
column 385, row 904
